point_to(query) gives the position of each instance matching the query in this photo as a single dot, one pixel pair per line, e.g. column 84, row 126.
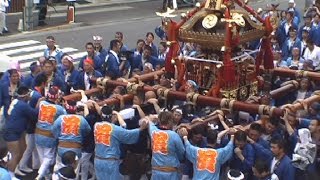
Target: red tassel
column 174, row 48
column 268, row 56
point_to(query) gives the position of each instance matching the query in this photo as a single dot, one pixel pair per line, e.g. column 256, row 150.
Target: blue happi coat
column 206, row 161
column 48, row 113
column 70, row 128
column 108, row 138
column 167, row 151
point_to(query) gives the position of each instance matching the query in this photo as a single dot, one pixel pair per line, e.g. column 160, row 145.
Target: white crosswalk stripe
column 27, row 52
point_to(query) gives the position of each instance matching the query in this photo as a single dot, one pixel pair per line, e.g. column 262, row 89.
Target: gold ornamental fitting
column 99, row 81
column 104, row 81
column 300, row 73
column 189, row 96
column 160, row 92
column 264, row 110
column 132, row 88
column 195, row 98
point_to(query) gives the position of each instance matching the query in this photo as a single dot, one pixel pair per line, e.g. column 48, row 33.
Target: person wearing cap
column 49, row 111
column 35, row 70
column 291, row 42
column 108, row 137
column 207, row 161
column 100, row 51
column 167, row 148
column 312, row 52
column 20, row 113
column 282, row 32
column 297, row 14
column 91, row 54
column 69, row 73
column 84, row 77
column 8, row 90
column 70, row 130
column 113, row 65
column 52, row 50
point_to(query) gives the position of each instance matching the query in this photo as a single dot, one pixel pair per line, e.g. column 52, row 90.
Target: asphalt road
column 133, row 19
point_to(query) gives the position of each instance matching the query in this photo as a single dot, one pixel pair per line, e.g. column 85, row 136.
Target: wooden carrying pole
column 284, row 72
column 202, row 100
column 144, row 78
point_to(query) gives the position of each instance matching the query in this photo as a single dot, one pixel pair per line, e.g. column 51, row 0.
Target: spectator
column 312, row 52
column 149, row 42
column 113, row 65
column 3, row 5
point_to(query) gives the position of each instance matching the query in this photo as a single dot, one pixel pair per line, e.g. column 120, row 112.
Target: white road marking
column 18, row 44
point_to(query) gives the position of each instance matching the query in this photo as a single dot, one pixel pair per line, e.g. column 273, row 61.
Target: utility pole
column 28, row 15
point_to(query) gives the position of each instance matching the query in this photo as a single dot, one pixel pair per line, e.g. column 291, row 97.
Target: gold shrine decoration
column 209, row 21
column 241, row 93
column 254, row 89
column 236, row 18
column 232, row 94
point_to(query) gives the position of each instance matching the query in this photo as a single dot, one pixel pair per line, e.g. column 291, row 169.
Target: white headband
column 241, row 177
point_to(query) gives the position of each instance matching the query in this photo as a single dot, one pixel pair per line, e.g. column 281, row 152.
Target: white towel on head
column 127, row 113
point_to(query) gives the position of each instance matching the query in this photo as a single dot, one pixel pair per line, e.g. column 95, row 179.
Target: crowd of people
column 153, row 137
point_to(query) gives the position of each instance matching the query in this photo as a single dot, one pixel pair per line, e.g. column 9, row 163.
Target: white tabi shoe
column 26, row 169
column 18, row 172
